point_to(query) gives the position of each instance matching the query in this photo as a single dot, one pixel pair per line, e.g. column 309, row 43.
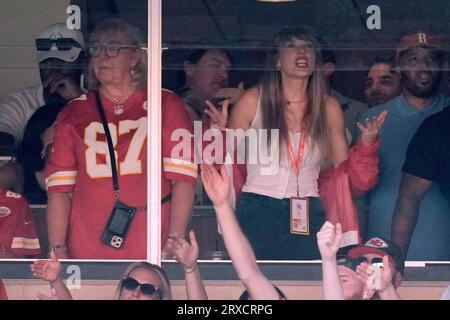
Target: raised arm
column 231, row 94
column 387, row 290
column 241, row 253
column 187, row 255
column 328, row 240
column 411, row 192
column 50, row 270
column 242, row 114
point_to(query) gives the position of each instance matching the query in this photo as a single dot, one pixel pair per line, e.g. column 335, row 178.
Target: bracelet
column 59, row 246
column 174, row 235
column 190, row 270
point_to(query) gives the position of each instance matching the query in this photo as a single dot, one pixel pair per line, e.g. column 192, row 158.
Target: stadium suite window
column 227, row 26
column 355, row 32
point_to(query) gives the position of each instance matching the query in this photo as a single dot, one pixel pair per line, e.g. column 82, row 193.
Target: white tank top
column 280, row 181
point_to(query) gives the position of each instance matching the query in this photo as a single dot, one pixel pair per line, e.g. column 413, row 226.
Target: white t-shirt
column 277, row 179
column 17, row 108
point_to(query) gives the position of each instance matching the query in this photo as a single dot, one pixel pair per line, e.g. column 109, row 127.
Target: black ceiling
column 246, row 22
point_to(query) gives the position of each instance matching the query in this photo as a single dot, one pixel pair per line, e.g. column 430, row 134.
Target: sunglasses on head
column 146, row 288
column 350, row 262
column 63, row 44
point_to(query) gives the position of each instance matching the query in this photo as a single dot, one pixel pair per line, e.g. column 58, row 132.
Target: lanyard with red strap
column 297, row 164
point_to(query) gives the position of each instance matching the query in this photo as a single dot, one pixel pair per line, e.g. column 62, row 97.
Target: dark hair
column 328, row 54
column 383, row 59
column 30, row 149
column 194, row 57
column 245, row 295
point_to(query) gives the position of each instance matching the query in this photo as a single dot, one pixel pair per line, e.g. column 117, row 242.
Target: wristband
column 190, row 270
column 59, row 246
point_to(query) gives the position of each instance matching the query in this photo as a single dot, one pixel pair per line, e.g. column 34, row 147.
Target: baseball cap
column 381, row 247
column 58, row 41
column 423, row 39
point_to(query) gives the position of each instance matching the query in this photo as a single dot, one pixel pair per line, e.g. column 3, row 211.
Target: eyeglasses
column 63, row 44
column 112, row 50
column 146, row 288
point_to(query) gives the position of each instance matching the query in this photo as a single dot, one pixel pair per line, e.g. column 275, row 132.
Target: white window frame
column 154, row 51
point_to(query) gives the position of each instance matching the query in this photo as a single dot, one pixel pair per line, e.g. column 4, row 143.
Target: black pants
column 266, row 223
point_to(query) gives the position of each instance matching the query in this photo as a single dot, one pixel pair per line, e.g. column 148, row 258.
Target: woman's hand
column 185, row 253
column 329, row 240
column 217, row 185
column 218, row 119
column 231, row 94
column 372, row 127
column 364, row 271
column 48, row 270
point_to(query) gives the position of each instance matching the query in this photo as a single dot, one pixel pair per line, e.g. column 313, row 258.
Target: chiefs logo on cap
column 4, row 212
column 376, row 243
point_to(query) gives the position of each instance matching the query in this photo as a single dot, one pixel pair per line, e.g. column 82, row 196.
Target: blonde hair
column 166, row 293
column 113, row 27
column 273, row 102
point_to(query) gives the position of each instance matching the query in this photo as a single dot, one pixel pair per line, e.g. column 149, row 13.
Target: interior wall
column 20, row 22
column 217, row 290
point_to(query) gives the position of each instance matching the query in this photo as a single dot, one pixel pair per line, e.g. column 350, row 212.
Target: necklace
column 298, row 101
column 118, row 108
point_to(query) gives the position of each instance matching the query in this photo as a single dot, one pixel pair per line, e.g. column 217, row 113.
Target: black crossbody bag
column 122, row 215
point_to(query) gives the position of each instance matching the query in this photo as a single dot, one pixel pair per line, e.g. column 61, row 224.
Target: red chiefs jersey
column 80, row 164
column 176, row 166
column 3, row 295
column 17, row 227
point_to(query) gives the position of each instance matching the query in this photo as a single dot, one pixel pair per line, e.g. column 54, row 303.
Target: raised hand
column 217, row 185
column 48, row 270
column 64, row 86
column 167, row 253
column 385, row 277
column 230, row 94
column 218, row 119
column 185, row 253
column 329, row 239
column 363, row 271
column 370, row 130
